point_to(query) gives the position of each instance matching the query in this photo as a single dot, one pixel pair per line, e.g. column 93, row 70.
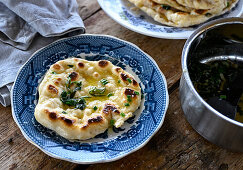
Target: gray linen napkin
column 27, row 25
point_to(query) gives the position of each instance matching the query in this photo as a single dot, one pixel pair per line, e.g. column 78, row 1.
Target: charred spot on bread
column 52, row 89
column 134, row 82
column 57, row 66
column 124, row 76
column 52, row 115
column 81, row 65
column 130, row 92
column 95, row 120
column 118, row 69
column 109, row 108
column 67, row 121
column 103, row 63
column 56, row 83
column 73, row 76
column 200, row 11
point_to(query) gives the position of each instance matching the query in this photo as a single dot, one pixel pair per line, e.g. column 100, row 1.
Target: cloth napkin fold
column 27, row 25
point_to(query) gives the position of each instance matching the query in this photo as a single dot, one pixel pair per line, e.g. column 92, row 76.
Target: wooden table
column 175, row 146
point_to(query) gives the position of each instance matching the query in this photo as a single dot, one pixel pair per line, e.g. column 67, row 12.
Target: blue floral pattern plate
column 138, row 21
column 114, row 143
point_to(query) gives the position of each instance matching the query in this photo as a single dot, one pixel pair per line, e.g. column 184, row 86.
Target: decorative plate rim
column 148, row 33
column 104, row 160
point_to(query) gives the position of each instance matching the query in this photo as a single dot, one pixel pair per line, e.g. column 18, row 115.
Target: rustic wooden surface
column 175, row 146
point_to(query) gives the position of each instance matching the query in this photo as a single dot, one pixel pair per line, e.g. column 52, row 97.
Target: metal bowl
column 208, row 122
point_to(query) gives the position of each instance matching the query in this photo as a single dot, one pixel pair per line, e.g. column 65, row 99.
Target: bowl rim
column 185, row 72
column 102, row 160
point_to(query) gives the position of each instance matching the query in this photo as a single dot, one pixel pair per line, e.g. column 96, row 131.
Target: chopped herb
column 109, row 95
column 122, row 114
column 136, row 92
column 64, row 112
column 95, row 108
column 167, row 7
column 78, row 83
column 112, row 122
column 53, row 72
column 228, row 4
column 70, row 66
column 77, row 89
column 104, row 81
column 222, row 96
column 68, row 83
column 142, row 96
column 208, row 14
column 119, row 81
column 129, row 98
column 67, row 98
column 129, row 80
column 126, row 104
column 94, row 91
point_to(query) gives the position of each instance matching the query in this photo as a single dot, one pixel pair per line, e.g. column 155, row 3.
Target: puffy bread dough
column 178, row 18
column 87, row 123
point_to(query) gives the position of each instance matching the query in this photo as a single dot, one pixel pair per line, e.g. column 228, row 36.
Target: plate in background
column 107, row 147
column 140, row 22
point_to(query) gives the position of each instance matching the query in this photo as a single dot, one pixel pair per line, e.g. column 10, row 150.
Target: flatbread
column 203, row 4
column 174, row 4
column 174, row 17
column 114, row 96
column 197, row 8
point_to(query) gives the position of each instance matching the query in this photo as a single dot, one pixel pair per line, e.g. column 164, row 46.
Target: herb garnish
column 104, row 81
column 167, row 7
column 228, row 4
column 53, row 72
column 94, row 91
column 119, row 81
column 126, row 104
column 112, row 122
column 208, row 14
column 142, row 96
column 129, row 80
column 109, row 95
column 95, row 108
column 67, row 97
column 64, row 112
column 136, row 92
column 70, row 66
column 129, row 98
column 122, row 114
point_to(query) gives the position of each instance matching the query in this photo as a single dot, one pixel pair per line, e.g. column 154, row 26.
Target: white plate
column 138, row 21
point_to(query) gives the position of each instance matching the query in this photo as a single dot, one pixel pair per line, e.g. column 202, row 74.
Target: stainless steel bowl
column 208, row 122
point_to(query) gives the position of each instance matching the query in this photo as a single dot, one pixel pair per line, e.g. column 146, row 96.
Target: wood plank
column 177, row 146
column 87, row 7
column 17, row 152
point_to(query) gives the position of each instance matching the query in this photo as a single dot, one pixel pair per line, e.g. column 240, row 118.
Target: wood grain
column 175, row 146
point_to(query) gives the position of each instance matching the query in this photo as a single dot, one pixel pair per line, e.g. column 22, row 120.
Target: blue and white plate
column 138, row 21
column 114, row 144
